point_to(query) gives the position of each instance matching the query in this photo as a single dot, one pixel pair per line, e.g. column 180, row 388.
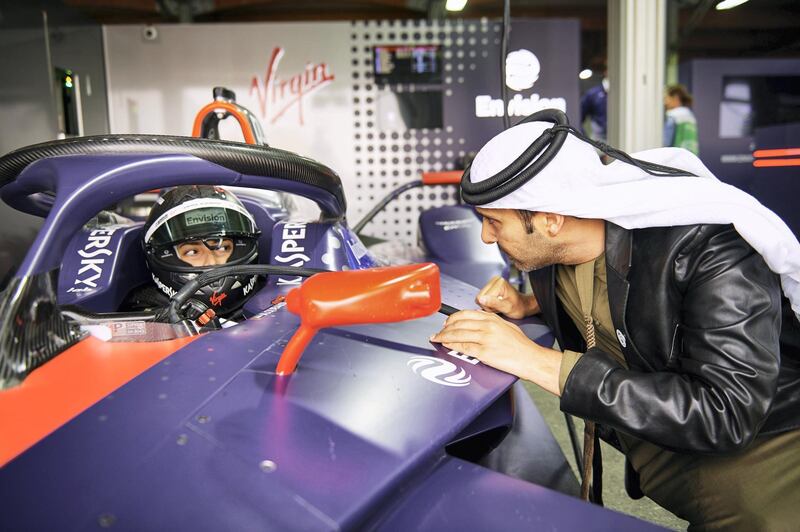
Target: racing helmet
column 194, row 215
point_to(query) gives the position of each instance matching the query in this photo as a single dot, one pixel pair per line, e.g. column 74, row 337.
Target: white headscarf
column 577, row 183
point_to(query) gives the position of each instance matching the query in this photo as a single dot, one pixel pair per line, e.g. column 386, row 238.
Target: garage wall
column 157, row 81
column 36, row 36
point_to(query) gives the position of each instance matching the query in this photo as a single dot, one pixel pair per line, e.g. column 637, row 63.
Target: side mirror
column 375, row 295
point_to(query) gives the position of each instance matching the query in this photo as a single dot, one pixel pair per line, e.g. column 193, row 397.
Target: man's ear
column 549, row 223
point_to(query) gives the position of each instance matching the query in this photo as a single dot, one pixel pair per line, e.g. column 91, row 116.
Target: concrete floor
column 614, row 495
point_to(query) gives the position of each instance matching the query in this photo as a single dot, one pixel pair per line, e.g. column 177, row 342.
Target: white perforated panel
column 387, row 158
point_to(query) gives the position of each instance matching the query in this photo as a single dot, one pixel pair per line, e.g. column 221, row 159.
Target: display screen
column 410, row 110
column 749, row 102
column 408, row 64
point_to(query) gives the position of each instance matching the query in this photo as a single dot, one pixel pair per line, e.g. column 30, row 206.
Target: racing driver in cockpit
column 190, row 230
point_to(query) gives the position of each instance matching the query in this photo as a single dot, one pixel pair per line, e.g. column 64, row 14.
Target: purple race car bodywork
column 377, row 428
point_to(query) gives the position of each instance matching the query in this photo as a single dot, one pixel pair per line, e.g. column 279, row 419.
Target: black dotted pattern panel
column 387, row 158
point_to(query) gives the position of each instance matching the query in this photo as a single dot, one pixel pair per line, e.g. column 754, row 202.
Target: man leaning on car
column 678, row 333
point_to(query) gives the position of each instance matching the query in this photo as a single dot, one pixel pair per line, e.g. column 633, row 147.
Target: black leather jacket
column 712, row 347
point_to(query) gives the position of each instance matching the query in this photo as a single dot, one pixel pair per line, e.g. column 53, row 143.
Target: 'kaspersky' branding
column 164, row 288
column 249, row 286
column 292, row 250
column 93, row 258
column 202, row 216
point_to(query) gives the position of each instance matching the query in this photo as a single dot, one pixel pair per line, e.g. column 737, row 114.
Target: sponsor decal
column 93, row 258
column 161, row 286
column 216, row 299
column 269, row 311
column 438, row 371
column 356, row 255
column 486, row 106
column 462, row 356
column 213, row 204
column 128, row 328
column 736, row 158
column 205, row 217
column 73, row 290
column 451, row 225
column 277, row 94
column 358, row 248
column 292, row 250
column 522, row 71
column 249, row 286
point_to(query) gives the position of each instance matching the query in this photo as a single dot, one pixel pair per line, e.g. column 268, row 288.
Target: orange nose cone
column 294, row 300
column 422, row 294
column 375, row 295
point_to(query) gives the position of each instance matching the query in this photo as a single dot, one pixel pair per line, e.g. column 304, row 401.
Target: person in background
column 593, row 107
column 680, row 125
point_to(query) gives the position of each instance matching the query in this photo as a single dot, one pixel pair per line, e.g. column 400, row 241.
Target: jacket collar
column 619, row 255
column 619, row 246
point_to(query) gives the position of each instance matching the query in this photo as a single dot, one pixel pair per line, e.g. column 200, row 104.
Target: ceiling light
column 586, row 73
column 729, row 4
column 455, row 5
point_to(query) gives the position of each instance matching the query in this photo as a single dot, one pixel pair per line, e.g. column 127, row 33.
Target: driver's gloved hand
column 161, row 316
column 193, row 309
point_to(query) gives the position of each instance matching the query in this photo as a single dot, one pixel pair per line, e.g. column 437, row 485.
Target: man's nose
column 487, row 235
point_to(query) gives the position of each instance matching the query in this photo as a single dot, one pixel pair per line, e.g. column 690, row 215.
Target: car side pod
column 374, row 295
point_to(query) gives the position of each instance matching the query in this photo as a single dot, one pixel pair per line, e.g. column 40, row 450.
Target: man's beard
column 518, row 264
column 526, row 267
column 548, row 258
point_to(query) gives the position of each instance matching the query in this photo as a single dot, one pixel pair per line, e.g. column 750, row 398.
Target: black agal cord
column 539, row 154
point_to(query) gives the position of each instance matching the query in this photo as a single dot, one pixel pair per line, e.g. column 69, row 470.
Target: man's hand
column 500, row 344
column 499, row 296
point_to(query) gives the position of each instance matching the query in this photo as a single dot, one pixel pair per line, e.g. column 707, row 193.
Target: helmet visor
column 191, row 255
column 201, row 219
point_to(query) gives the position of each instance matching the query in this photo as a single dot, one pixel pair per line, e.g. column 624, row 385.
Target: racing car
column 138, row 421
column 447, row 235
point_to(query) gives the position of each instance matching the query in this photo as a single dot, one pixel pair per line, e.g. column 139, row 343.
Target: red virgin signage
column 278, row 94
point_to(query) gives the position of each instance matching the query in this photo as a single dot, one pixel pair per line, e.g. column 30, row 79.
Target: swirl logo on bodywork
column 439, row 371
